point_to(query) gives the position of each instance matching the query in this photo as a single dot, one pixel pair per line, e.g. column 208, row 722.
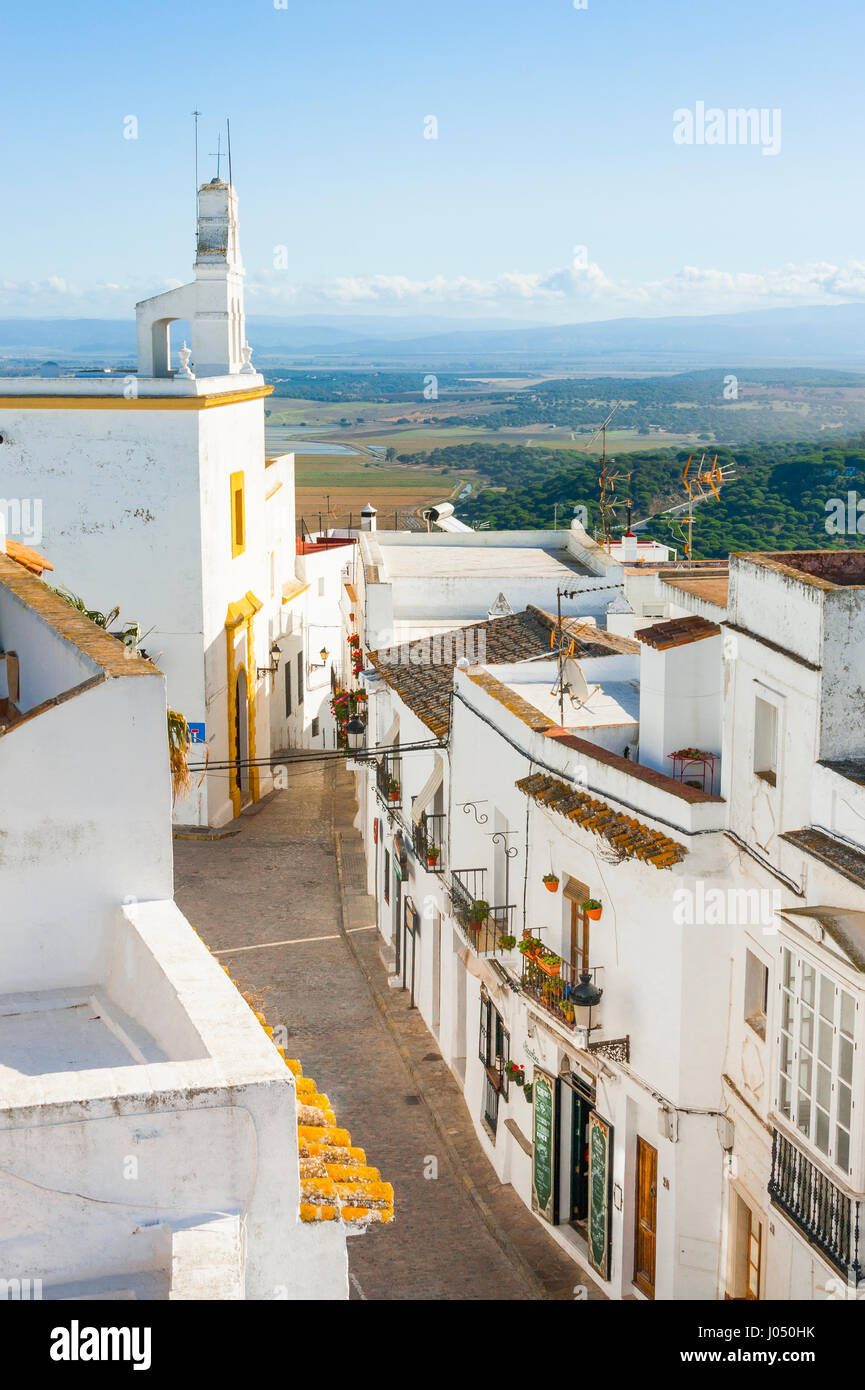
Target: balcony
column 481, row 925
column 388, row 782
column 549, row 980
column 430, row 835
column 822, row 1212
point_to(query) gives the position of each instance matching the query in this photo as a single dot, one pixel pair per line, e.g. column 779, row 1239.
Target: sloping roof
column 677, row 632
column 844, row 925
column 848, row 861
column 30, row 559
column 421, row 672
column 629, row 837
column 851, row 768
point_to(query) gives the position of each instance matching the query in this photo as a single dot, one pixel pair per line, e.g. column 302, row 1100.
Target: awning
column 428, row 790
column 392, row 734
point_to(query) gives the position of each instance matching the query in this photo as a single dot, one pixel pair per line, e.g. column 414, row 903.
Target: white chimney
column 368, row 518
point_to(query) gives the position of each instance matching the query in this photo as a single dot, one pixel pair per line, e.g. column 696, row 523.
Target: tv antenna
column 607, row 481
column 701, row 484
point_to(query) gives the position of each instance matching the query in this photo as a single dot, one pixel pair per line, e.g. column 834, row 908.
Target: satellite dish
column 574, row 683
column 463, row 663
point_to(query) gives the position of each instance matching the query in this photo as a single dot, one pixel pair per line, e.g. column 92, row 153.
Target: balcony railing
column 826, row 1215
column 388, row 770
column 430, row 834
column 551, row 983
column 482, row 925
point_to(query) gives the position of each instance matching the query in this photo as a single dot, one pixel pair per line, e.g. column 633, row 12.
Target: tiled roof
column 421, row 672
column 629, row 837
column 336, row 1183
column 848, row 861
column 30, row 559
column 677, row 632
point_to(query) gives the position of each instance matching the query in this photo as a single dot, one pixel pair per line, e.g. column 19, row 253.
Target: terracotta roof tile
column 677, row 632
column 30, row 559
column 628, row 836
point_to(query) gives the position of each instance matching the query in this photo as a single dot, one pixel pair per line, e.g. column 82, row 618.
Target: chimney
column 368, row 518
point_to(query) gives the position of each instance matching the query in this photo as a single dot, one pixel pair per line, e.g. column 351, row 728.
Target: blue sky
column 555, row 130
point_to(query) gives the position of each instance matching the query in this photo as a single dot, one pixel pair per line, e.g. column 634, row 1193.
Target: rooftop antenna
column 695, row 483
column 217, row 152
column 195, row 116
column 606, row 481
column 228, row 132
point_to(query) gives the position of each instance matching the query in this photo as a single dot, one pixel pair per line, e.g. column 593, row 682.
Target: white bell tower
column 212, row 303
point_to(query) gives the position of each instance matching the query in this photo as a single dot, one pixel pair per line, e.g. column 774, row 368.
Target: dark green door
column 580, row 1110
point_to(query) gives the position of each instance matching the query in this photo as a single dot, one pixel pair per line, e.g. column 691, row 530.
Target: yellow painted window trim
column 238, row 543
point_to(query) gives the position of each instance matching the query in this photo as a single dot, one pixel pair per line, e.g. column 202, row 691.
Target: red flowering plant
column 516, row 1073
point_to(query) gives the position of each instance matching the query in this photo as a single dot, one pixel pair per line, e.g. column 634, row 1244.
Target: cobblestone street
column 267, row 901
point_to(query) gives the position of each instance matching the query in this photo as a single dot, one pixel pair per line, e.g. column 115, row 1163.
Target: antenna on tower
column 606, row 481
column 228, row 133
column 195, row 116
column 695, row 484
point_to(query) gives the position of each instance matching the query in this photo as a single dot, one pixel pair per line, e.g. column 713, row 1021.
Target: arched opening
column 241, row 737
column 161, row 340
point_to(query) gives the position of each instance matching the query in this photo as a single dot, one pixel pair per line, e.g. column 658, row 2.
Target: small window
column 287, row 689
column 756, row 993
column 238, row 515
column 315, row 728
column 300, row 678
column 766, row 741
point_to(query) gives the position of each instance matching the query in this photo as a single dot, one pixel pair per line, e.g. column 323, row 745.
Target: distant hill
column 824, row 336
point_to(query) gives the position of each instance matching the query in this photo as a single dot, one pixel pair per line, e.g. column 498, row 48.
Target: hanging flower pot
column 551, row 883
column 516, row 1073
column 529, row 946
column 432, row 856
column 592, row 908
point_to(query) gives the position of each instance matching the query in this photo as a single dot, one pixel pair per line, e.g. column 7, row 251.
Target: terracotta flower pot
column 551, row 885
column 549, row 968
column 593, row 912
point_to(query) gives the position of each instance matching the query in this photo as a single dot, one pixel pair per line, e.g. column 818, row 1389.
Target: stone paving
column 268, row 902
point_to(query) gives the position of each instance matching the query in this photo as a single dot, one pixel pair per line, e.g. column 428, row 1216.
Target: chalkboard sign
column 543, row 1133
column 600, row 1177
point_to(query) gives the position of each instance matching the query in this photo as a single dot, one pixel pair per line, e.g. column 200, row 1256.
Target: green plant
column 478, row 911
column 507, row 943
column 528, row 945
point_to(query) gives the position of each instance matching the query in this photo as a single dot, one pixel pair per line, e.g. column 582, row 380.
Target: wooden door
column 646, row 1213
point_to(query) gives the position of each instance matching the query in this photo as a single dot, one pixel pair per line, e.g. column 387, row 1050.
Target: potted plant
column 528, row 945
column 393, row 789
column 551, row 882
column 477, row 913
column 432, row 856
column 549, row 963
column 528, row 1091
column 516, row 1073
column 592, row 908
column 507, row 943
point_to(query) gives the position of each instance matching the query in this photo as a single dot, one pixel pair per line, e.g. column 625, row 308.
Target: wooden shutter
column 646, row 1214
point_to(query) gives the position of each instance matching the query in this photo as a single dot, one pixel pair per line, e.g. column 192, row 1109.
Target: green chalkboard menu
column 600, row 1179
column 544, row 1138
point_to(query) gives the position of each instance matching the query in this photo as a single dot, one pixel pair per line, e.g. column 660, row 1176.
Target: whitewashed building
column 154, row 1142
column 156, row 497
column 648, row 1143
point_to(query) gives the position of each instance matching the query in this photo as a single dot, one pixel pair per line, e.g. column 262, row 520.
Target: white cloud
column 569, row 294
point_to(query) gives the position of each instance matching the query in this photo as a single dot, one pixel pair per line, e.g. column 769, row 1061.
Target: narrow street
column 267, row 901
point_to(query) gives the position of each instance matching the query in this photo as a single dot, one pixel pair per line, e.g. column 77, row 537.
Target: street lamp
column 356, row 731
column 586, row 995
column 319, row 665
column 275, row 657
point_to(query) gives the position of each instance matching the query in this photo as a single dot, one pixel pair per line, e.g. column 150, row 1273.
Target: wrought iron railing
column 483, row 925
column 826, row 1215
column 551, row 983
column 389, row 769
column 430, row 835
